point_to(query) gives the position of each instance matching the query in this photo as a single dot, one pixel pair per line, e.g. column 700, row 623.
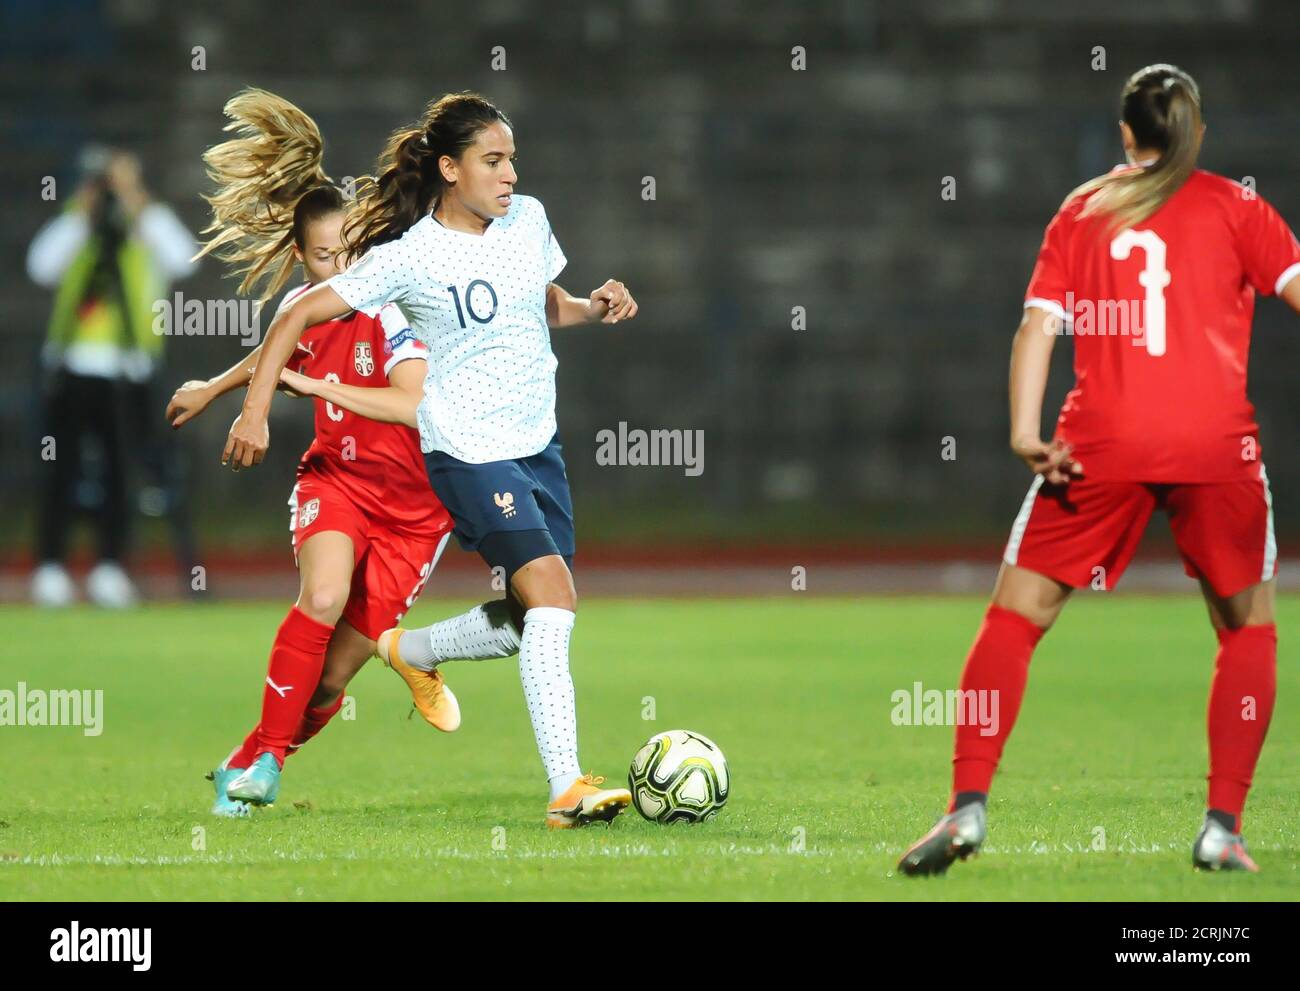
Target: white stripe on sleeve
column 1285, row 277
column 1050, row 305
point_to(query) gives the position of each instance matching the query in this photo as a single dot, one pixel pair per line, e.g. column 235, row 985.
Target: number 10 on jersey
column 469, row 302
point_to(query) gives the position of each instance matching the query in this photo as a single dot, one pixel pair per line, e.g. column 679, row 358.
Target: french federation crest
column 307, row 515
column 363, row 359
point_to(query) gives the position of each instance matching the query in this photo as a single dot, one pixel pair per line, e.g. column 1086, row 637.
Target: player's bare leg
column 1024, row 606
column 1036, row 597
column 1240, row 708
column 349, row 650
column 1254, row 606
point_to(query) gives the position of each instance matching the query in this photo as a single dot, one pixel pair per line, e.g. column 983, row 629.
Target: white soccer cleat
column 109, row 587
column 1216, row 849
column 52, row 586
column 955, row 836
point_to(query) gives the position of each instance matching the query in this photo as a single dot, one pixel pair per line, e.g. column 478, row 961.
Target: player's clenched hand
column 1052, row 461
column 187, row 402
column 612, row 303
column 247, row 443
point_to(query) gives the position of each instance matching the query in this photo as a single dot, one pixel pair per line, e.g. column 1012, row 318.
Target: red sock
column 1241, row 705
column 313, row 721
column 998, row 662
column 297, row 659
column 247, row 751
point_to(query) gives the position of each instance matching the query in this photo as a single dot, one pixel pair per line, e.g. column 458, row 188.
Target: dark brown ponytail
column 409, row 181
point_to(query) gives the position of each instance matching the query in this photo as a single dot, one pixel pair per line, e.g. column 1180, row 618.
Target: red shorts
column 1085, row 533
column 389, row 567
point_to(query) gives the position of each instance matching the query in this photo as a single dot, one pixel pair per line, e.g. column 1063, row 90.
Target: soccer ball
column 679, row 776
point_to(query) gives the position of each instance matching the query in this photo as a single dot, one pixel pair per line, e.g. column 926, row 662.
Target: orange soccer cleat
column 586, row 802
column 429, row 692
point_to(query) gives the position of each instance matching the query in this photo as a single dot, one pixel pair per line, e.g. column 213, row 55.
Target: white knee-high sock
column 548, row 690
column 481, row 634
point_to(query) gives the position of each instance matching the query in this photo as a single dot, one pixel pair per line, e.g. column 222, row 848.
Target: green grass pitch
column 826, row 789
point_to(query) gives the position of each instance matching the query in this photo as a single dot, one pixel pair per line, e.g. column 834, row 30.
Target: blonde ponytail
column 261, row 176
column 1162, row 106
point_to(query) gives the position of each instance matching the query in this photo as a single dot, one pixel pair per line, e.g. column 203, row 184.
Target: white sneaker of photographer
column 52, row 586
column 108, row 586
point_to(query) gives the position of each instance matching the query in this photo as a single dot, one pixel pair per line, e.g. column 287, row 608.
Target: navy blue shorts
column 521, row 494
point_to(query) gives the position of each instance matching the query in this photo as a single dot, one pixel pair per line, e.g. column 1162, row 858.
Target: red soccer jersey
column 379, row 464
column 1161, row 324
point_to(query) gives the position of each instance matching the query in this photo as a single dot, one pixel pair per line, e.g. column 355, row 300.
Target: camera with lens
column 107, row 218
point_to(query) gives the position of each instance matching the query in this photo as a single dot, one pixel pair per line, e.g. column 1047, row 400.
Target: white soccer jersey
column 479, row 303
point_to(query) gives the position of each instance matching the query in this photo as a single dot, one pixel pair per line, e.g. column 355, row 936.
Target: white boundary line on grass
column 638, row 850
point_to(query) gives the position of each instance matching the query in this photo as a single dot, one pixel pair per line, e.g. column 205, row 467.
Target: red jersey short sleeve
column 1267, row 247
column 1051, row 278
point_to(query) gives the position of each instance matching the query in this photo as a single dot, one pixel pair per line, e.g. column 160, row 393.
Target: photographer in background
column 107, row 257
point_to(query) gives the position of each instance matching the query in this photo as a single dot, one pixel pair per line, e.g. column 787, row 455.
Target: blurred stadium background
column 775, row 189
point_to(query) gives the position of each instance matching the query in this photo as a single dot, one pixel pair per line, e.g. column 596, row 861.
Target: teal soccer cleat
column 225, row 806
column 259, row 784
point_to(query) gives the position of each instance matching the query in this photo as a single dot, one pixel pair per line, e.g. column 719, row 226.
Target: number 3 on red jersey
column 332, row 411
column 1154, row 278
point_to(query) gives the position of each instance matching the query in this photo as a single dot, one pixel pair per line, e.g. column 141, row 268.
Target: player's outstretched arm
column 1031, row 358
column 249, row 435
column 608, row 304
column 194, row 396
column 395, row 403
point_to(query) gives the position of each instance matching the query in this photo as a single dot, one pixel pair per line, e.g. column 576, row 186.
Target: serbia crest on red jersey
column 307, row 515
column 363, row 360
